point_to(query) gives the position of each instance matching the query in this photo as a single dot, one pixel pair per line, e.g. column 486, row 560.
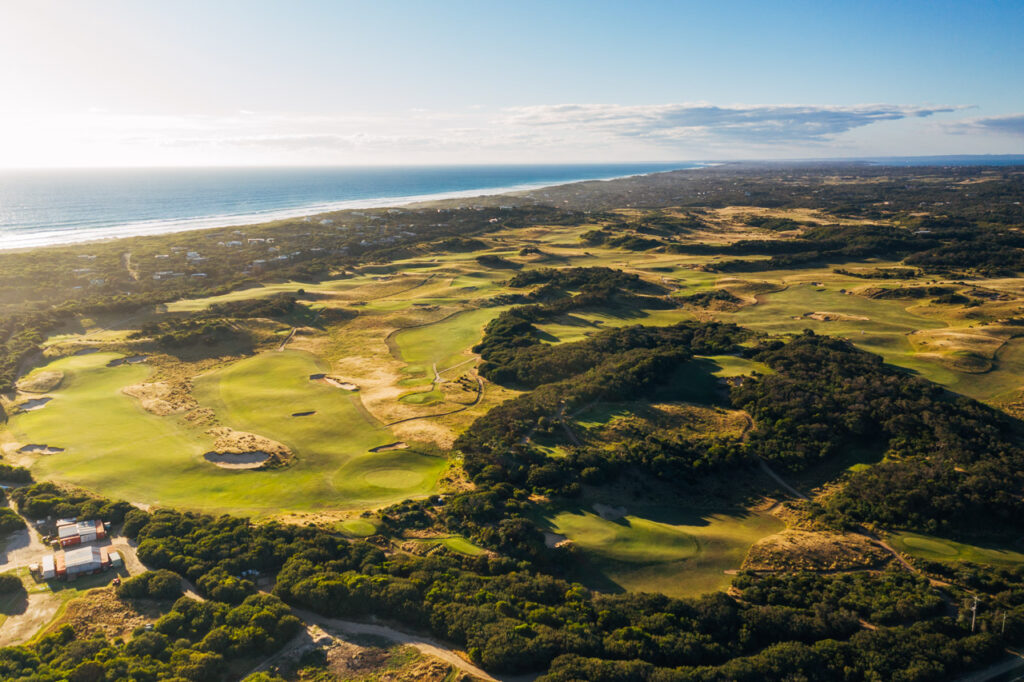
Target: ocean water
column 42, row 207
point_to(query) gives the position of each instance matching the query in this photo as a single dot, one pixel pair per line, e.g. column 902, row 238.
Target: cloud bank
column 762, row 124
column 1012, row 124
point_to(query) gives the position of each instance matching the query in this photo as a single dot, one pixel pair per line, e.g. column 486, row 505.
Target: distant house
column 70, row 532
column 256, row 240
column 234, row 243
column 198, row 274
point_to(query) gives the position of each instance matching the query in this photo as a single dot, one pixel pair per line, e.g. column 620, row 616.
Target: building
column 49, row 571
column 70, row 532
column 82, row 561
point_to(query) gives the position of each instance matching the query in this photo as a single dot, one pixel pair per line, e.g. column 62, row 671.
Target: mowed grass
column 940, row 549
column 119, row 450
column 259, row 394
column 445, row 343
column 677, row 552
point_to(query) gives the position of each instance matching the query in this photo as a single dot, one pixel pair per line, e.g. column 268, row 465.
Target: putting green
column 116, row 448
column 676, row 552
column 444, row 343
column 941, row 549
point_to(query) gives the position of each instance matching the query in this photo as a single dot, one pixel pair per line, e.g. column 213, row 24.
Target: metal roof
column 82, row 556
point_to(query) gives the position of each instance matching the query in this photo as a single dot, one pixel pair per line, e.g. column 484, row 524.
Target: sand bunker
column 608, row 512
column 390, row 446
column 835, row 317
column 34, row 404
column 243, row 450
column 238, row 460
column 160, row 398
column 37, row 449
column 552, row 540
column 334, row 381
column 41, row 382
column 131, row 360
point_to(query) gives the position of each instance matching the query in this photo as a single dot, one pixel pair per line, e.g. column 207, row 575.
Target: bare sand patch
column 41, row 382
column 334, row 381
column 835, row 317
column 824, row 551
column 159, row 398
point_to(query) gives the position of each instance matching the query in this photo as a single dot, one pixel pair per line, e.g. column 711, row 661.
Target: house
column 70, row 532
column 198, row 274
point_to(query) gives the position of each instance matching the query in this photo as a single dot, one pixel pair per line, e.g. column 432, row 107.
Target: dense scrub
column 951, row 463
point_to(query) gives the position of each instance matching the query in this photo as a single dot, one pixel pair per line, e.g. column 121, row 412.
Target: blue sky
column 195, row 83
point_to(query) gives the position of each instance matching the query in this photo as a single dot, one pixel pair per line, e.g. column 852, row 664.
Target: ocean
column 44, row 207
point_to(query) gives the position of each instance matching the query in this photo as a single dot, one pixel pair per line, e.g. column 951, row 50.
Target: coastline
column 56, row 238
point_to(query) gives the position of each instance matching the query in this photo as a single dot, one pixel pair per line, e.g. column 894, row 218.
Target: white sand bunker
column 240, row 450
column 238, row 460
column 835, row 317
column 38, row 449
column 131, row 360
column 334, row 381
column 34, row 404
column 390, row 446
column 41, row 382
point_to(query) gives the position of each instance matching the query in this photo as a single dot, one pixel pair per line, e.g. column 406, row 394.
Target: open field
column 680, row 552
column 940, row 549
column 113, row 446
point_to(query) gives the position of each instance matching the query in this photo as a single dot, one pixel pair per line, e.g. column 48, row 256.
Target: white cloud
column 759, row 124
column 1011, row 124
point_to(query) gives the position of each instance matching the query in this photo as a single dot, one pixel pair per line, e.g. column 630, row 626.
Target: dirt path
column 284, row 344
column 1013, row 663
column 423, row 644
column 778, row 479
column 132, row 272
column 863, row 532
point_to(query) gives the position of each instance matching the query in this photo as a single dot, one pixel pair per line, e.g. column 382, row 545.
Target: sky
column 89, row 83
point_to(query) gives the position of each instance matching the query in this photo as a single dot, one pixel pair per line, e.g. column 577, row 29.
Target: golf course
column 115, row 447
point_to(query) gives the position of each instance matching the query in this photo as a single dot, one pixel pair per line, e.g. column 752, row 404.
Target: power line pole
column 974, row 612
column 1003, row 631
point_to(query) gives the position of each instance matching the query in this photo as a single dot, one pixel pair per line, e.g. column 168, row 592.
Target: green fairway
column 444, row 343
column 114, row 447
column 940, row 549
column 676, row 552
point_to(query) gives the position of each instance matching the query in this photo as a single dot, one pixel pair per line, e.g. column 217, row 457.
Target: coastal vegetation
column 547, row 430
